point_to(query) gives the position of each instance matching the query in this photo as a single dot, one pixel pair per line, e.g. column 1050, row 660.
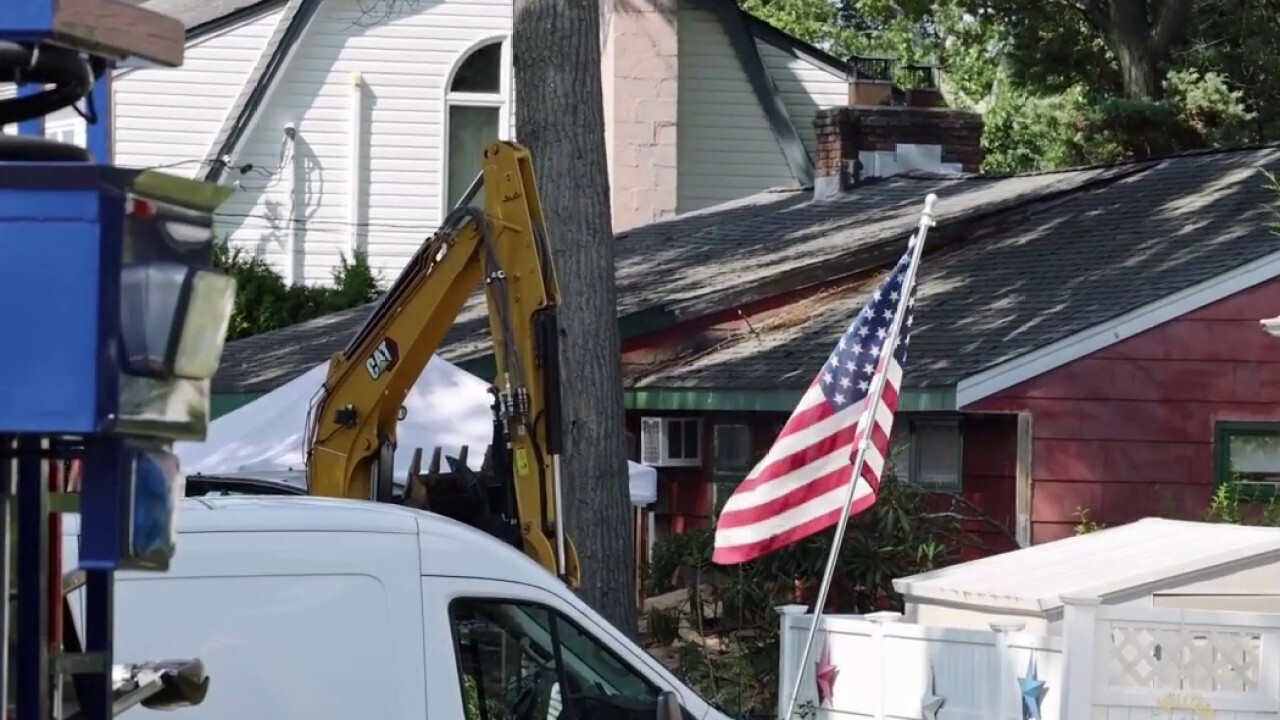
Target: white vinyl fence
column 887, row 668
column 1127, row 663
column 1112, row 663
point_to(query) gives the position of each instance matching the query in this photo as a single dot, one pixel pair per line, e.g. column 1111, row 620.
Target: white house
column 352, row 123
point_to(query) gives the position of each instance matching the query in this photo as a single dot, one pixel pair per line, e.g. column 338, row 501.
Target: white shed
column 1153, row 562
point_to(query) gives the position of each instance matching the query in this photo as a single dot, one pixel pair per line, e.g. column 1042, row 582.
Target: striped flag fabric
column 800, row 486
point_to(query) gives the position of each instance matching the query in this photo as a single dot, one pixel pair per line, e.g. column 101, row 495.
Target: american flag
column 800, row 486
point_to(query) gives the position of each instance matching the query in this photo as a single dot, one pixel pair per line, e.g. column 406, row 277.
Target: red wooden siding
column 988, row 468
column 1128, row 431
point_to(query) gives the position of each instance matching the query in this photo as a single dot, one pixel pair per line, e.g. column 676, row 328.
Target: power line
column 307, row 223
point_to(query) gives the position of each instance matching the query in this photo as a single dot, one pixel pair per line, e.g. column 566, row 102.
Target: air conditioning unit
column 671, row 441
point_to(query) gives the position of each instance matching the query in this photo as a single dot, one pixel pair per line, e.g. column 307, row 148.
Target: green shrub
column 1025, row 132
column 907, row 531
column 264, row 301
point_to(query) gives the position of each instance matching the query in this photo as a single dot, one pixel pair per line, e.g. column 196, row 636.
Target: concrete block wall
column 641, row 76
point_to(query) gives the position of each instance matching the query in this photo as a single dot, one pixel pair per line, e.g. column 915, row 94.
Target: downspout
column 355, row 130
column 293, row 218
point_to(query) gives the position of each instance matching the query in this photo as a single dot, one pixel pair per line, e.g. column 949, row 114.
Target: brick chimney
column 887, row 129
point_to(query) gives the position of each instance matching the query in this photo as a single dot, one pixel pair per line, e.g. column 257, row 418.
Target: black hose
column 70, row 75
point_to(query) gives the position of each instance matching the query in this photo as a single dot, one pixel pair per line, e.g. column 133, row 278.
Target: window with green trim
column 1247, row 454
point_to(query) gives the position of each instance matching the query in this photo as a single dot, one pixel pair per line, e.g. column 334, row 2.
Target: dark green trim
column 712, row 400
column 769, row 400
column 482, row 367
column 734, row 21
column 223, row 403
column 296, row 26
column 1222, row 433
column 646, row 322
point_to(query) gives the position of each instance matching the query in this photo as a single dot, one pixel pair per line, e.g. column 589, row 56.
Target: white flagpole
column 868, row 419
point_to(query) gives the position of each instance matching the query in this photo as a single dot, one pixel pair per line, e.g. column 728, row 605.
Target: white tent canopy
column 447, row 408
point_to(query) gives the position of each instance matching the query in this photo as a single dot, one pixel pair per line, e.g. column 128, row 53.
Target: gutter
column 279, row 49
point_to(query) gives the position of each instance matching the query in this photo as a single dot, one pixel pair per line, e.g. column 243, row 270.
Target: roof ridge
column 1226, row 150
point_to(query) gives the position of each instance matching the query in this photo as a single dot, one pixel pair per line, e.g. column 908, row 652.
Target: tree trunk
column 1138, row 71
column 1139, row 33
column 560, row 118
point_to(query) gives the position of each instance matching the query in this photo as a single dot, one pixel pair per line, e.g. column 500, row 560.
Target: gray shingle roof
column 1069, row 266
column 194, row 13
column 712, row 258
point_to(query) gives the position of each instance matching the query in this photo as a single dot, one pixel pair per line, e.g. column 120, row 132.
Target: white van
column 344, row 610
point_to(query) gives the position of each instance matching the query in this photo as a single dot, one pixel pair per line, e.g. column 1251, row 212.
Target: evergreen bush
column 265, row 302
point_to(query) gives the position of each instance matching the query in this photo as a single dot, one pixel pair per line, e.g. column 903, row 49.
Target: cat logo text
column 384, row 357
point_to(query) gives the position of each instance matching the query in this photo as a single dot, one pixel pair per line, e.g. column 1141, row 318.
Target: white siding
column 169, row 116
column 165, row 116
column 404, row 62
column 805, row 86
column 727, row 150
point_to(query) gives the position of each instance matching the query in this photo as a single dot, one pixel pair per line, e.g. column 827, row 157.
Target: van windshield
column 522, row 660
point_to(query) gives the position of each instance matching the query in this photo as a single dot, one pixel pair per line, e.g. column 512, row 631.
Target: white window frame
column 73, row 128
column 53, row 129
column 500, row 100
column 699, row 457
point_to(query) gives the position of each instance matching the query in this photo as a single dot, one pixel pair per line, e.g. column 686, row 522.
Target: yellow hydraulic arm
column 352, row 426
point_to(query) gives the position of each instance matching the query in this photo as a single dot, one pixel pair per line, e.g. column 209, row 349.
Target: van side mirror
column 669, row 706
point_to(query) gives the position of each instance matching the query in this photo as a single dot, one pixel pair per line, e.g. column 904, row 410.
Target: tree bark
column 1139, row 33
column 560, row 118
column 1138, row 69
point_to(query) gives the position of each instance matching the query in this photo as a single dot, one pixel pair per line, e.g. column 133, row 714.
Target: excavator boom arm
column 352, row 427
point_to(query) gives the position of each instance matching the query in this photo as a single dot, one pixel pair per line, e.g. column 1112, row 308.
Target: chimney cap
column 922, row 76
column 873, row 68
column 883, row 69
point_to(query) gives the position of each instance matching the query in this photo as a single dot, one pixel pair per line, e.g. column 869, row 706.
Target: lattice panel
column 1184, row 659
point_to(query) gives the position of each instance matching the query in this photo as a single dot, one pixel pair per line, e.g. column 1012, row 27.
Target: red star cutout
column 825, row 673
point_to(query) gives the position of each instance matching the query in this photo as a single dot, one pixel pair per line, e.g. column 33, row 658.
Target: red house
column 1092, row 343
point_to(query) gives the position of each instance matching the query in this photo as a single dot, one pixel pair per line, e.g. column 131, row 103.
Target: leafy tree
column 1071, row 82
column 264, row 301
column 1138, row 37
column 1238, row 39
column 1027, row 132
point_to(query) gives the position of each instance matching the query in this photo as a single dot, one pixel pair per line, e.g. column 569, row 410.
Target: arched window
column 476, row 107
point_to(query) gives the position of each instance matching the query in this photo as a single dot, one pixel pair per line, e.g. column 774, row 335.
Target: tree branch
column 985, row 517
column 1094, row 12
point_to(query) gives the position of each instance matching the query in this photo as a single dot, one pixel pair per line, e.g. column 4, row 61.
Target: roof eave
column 998, row 378
column 915, row 593
column 794, row 46
column 231, row 19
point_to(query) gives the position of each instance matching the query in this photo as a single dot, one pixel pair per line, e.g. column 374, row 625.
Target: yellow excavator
column 352, row 423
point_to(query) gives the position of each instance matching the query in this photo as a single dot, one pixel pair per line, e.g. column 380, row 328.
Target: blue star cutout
column 1032, row 689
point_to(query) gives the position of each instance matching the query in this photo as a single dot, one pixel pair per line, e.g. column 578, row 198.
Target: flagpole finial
column 929, row 201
